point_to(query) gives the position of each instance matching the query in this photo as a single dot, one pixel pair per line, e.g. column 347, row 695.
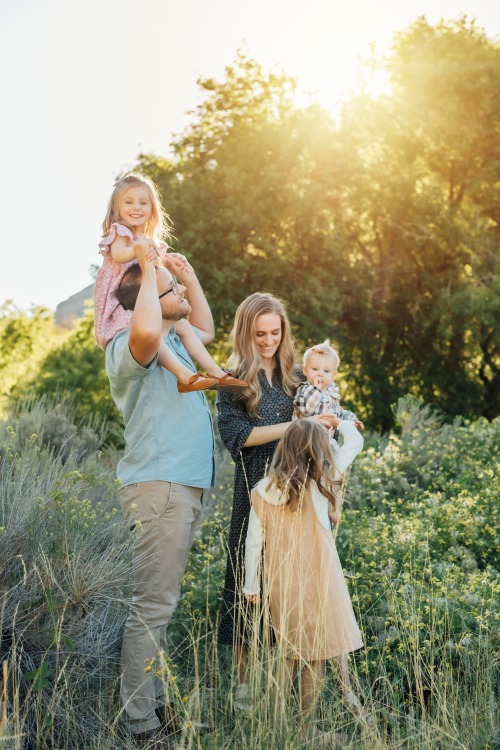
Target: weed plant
column 418, row 541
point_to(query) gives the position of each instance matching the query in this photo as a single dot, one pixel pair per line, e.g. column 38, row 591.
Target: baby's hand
column 333, row 515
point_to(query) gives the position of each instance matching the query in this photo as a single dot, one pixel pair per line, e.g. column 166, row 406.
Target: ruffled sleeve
column 115, row 229
column 233, row 423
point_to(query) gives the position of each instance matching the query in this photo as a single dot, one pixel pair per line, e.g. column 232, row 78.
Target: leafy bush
column 417, row 540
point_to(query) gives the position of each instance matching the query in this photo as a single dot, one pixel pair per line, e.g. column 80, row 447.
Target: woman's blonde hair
column 303, row 455
column 159, row 226
column 245, row 360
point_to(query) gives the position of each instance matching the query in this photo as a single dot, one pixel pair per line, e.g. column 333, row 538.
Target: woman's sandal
column 354, row 704
column 227, row 383
column 198, row 382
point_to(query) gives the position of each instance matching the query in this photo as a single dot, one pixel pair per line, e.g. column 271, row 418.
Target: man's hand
column 176, row 263
column 359, row 425
column 146, row 251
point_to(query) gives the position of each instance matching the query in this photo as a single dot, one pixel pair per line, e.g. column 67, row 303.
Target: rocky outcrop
column 72, row 309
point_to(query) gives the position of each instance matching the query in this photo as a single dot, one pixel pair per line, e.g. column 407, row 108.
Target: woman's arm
column 261, row 435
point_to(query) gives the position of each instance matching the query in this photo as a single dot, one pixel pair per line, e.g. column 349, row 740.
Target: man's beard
column 182, row 311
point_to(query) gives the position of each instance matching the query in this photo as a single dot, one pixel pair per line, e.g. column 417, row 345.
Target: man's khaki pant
column 163, row 517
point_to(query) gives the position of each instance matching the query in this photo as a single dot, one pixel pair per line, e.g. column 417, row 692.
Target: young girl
column 303, row 582
column 135, row 215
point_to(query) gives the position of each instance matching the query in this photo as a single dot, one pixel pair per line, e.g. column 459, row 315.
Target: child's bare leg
column 169, row 361
column 342, row 669
column 310, row 686
column 350, row 697
column 284, row 681
column 196, row 349
column 241, row 656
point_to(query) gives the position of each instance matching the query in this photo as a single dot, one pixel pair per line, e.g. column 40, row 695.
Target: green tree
column 25, row 339
column 74, row 372
column 380, row 230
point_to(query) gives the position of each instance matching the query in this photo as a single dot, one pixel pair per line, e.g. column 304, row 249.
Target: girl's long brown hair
column 303, row 455
column 245, row 359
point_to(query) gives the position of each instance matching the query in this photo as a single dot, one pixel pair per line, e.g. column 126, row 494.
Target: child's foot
column 315, row 738
column 227, row 383
column 353, row 702
column 198, row 382
column 243, row 698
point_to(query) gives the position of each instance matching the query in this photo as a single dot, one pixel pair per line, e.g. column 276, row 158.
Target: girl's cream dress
column 303, row 583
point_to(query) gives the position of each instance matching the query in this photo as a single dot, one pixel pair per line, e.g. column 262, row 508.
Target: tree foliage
column 379, row 229
column 25, row 339
column 74, row 373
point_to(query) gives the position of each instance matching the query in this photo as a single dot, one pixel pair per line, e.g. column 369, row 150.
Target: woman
column 250, row 424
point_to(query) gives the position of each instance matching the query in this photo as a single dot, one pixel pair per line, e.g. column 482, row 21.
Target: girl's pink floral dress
column 109, row 316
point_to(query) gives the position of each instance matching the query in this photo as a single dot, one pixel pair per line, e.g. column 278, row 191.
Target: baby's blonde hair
column 159, row 226
column 325, row 349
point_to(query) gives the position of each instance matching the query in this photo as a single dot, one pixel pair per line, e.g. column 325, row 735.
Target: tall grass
column 418, row 544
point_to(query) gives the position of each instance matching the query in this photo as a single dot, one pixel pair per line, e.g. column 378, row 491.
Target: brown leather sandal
column 227, row 383
column 198, row 382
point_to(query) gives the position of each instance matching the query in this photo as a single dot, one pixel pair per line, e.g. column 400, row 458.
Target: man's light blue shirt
column 168, row 435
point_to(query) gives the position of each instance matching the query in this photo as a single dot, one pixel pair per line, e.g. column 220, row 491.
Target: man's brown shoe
column 198, row 382
column 227, row 383
column 155, row 739
column 169, row 718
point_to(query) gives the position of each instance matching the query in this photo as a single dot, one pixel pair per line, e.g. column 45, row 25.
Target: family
column 291, row 443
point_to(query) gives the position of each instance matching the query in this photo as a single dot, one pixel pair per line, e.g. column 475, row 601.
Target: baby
column 319, row 394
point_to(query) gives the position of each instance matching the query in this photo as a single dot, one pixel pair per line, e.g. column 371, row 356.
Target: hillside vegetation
column 418, row 541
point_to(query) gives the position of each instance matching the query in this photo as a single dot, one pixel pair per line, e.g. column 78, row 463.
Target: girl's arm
column 353, row 444
column 122, row 250
column 253, row 551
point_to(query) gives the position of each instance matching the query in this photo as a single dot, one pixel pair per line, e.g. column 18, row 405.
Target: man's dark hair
column 129, row 287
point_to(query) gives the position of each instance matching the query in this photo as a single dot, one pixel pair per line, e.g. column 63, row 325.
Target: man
column 168, row 461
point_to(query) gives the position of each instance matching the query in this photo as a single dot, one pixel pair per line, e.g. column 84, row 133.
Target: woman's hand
column 252, row 598
column 327, row 420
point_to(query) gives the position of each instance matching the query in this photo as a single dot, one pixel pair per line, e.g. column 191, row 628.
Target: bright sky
column 86, row 85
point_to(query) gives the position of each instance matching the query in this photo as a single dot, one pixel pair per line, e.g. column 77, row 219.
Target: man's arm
column 145, row 330
column 201, row 315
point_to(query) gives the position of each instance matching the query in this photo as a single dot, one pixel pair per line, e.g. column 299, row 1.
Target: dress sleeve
column 115, row 229
column 253, row 548
column 352, row 445
column 233, row 423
